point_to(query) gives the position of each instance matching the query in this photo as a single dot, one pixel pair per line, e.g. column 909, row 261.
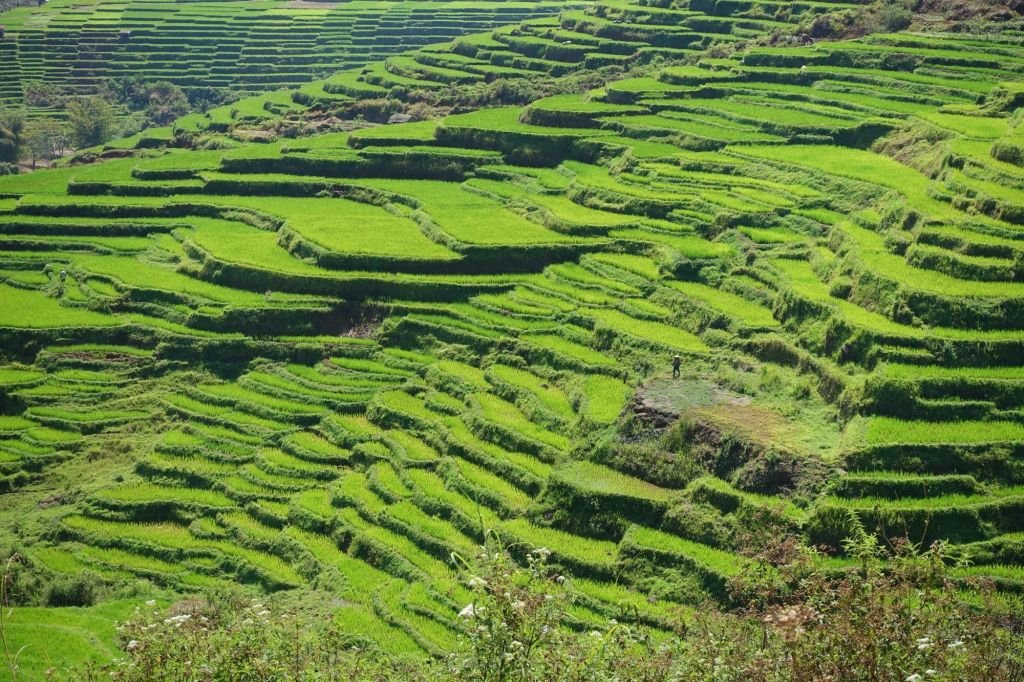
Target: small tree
column 12, row 135
column 91, row 120
column 203, row 98
column 131, row 91
column 46, row 139
column 166, row 102
column 42, row 94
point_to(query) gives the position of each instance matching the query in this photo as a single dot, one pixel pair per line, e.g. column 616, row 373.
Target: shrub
column 699, row 522
column 226, row 636
column 12, row 136
column 25, row 583
column 905, row 619
column 166, row 103
column 650, row 462
column 1009, row 151
column 91, row 119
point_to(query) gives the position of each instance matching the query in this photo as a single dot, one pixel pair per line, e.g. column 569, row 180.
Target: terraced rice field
column 247, row 47
column 334, row 367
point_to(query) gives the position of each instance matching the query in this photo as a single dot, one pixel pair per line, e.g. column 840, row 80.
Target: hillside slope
column 237, row 46
column 332, row 361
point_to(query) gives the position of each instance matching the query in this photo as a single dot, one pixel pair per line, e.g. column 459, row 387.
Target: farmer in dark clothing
column 676, row 361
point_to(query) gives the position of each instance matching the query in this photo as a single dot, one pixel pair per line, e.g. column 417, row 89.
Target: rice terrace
column 512, row 340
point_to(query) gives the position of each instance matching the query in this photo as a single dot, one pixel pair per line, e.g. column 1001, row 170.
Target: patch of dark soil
column 352, row 320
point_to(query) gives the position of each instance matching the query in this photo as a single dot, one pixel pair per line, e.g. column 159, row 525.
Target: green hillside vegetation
column 241, row 47
column 329, row 362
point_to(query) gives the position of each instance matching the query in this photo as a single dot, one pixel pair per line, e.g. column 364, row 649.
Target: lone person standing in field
column 676, row 361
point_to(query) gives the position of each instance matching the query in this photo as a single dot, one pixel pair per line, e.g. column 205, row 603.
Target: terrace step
column 373, row 348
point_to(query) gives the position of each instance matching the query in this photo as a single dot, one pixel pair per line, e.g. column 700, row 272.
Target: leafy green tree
column 166, row 102
column 12, row 135
column 42, row 94
column 203, row 98
column 91, row 120
column 131, row 91
column 46, row 139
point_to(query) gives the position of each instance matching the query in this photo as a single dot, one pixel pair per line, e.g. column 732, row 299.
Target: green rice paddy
column 335, row 358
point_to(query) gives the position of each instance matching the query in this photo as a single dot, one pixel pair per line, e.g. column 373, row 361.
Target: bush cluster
column 901, row 618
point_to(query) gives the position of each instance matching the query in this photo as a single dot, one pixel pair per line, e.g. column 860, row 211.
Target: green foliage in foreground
column 905, row 622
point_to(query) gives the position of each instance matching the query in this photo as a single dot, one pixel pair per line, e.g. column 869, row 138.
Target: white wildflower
column 477, row 581
column 469, row 611
column 913, row 678
column 133, row 645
